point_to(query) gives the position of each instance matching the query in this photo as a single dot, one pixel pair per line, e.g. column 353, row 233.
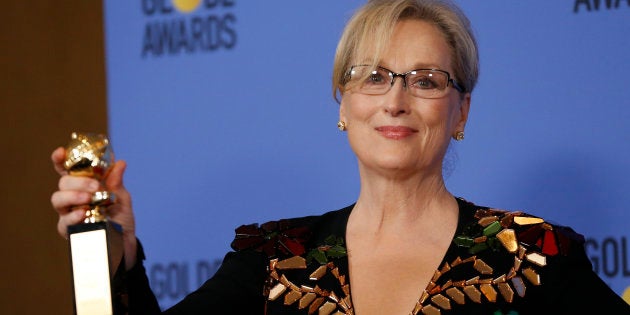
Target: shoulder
column 291, row 236
column 513, row 252
column 514, row 230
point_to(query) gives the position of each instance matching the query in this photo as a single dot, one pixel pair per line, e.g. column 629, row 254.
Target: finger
column 58, row 156
column 65, row 200
column 83, row 183
column 71, row 218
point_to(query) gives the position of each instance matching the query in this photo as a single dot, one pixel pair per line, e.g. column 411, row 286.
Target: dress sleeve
column 236, row 288
column 574, row 288
column 140, row 298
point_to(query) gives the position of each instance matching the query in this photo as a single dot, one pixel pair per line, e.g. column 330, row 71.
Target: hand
column 75, row 192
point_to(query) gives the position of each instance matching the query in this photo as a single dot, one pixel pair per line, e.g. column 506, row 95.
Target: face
column 396, row 133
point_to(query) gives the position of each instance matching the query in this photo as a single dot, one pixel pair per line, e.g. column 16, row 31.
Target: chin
column 394, row 163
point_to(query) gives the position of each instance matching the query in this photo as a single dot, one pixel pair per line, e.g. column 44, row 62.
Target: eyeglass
column 423, row 83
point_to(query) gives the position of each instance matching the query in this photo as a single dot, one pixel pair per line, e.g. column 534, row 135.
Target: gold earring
column 341, row 125
column 459, row 136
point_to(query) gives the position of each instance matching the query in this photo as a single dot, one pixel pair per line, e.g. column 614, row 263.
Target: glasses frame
column 393, row 75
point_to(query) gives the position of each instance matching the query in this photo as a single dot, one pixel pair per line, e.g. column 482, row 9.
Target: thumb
column 114, row 183
column 114, row 180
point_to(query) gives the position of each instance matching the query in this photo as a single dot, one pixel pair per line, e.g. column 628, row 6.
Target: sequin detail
column 529, row 239
column 321, row 288
column 308, row 296
column 273, row 238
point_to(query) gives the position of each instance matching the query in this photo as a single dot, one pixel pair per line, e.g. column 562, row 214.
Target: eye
column 376, row 78
column 424, row 82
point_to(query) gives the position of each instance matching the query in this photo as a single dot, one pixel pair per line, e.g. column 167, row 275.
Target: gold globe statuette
column 96, row 243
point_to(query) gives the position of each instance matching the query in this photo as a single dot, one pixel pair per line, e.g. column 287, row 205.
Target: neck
column 390, row 203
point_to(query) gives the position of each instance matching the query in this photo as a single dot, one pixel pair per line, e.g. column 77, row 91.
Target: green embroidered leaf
column 320, row 256
column 492, row 229
column 332, row 248
column 336, row 251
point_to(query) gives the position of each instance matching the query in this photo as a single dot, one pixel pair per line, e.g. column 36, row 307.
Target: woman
column 404, row 70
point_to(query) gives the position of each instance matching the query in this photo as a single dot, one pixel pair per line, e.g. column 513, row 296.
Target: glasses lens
column 427, row 83
column 424, row 83
column 370, row 81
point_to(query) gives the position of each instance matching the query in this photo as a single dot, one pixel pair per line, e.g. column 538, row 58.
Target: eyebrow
column 415, row 67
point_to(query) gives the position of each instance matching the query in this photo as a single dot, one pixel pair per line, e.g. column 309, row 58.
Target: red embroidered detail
column 272, row 238
column 531, row 235
column 550, row 240
column 549, row 245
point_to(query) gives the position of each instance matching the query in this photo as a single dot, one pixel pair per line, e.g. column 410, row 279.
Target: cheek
column 355, row 107
column 439, row 121
column 435, row 115
column 447, row 114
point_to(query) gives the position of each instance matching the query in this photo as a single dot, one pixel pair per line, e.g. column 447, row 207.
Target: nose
column 403, row 79
column 397, row 100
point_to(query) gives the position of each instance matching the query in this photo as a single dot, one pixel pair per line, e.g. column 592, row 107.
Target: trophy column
column 96, row 244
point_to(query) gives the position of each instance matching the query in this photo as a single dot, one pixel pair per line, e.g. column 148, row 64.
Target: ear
column 464, row 107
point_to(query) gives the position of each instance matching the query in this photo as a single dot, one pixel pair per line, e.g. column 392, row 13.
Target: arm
column 236, row 288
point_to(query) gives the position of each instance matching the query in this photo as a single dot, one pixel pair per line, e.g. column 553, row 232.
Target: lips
column 395, row 132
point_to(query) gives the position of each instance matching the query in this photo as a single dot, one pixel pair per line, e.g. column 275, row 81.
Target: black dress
column 499, row 262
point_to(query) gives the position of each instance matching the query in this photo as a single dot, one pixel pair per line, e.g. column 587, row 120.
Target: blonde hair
column 368, row 32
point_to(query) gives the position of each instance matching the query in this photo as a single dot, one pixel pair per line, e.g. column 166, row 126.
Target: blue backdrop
column 223, row 111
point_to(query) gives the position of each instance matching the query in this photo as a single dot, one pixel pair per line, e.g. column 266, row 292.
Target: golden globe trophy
column 96, row 244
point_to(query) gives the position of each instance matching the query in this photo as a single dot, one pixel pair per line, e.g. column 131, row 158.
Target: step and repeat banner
column 224, row 112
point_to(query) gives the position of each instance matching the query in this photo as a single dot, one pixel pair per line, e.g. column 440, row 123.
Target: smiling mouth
column 396, row 132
